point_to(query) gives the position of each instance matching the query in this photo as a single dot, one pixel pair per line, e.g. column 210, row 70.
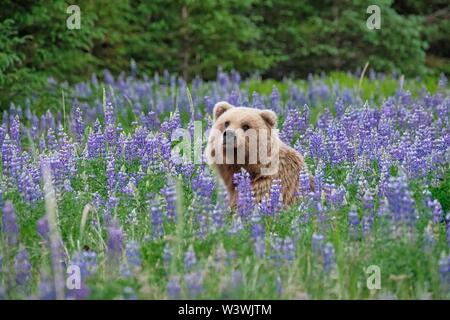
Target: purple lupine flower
column 438, row 214
column 170, row 196
column 401, row 203
column 15, row 132
column 257, row 231
column 52, row 143
column 43, row 228
column 316, row 146
column 444, row 271
column 353, row 220
column 190, row 260
column 283, row 250
column 317, row 242
column 2, row 134
column 79, row 294
column 9, row 223
column 236, row 279
column 304, row 182
column 275, row 197
column 442, row 83
column 174, row 288
column 96, row 142
column 368, row 202
column 110, row 175
column 46, row 288
column 367, row 224
column 194, row 284
column 260, row 247
column 88, row 263
column 256, row 101
column 220, row 210
column 236, row 226
column 7, row 155
column 133, row 254
column 156, row 219
column 167, row 256
column 78, row 126
column 275, row 98
column 340, row 108
column 203, row 184
column 292, row 125
column 115, row 241
column 22, row 267
column 171, row 124
column 329, row 260
column 245, row 202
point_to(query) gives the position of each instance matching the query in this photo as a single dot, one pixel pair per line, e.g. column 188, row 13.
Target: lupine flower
column 367, row 224
column 43, row 228
column 79, row 294
column 86, row 261
column 78, row 126
column 167, row 256
column 190, row 260
column 245, row 195
column 368, row 202
column 7, row 155
column 46, row 288
column 156, row 219
column 174, row 288
column 401, row 203
column 14, row 131
column 353, row 220
column 328, row 257
column 283, row 250
column 292, row 125
column 9, row 223
column 304, row 182
column 22, row 267
column 133, row 254
column 115, row 241
column 170, row 195
column 438, row 214
column 236, row 226
column 260, row 247
column 110, row 174
column 317, row 242
column 444, row 270
column 194, row 284
column 236, row 279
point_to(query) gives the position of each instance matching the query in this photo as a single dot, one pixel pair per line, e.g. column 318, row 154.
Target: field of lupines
column 94, row 184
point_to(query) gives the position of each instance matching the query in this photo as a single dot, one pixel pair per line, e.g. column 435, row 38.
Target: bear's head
column 242, row 136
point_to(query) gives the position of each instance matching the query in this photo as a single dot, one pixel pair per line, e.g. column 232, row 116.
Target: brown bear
column 247, row 138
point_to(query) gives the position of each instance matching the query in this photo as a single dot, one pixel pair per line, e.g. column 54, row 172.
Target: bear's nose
column 229, row 137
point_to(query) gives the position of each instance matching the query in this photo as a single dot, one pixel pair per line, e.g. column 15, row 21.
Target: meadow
column 88, row 180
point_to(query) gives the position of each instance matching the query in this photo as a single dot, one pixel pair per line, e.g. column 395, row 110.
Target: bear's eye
column 227, row 123
column 245, row 127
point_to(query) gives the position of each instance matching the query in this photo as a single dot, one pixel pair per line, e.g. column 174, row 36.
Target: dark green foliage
column 192, row 37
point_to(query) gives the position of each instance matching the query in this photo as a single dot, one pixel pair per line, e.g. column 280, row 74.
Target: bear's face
column 241, row 135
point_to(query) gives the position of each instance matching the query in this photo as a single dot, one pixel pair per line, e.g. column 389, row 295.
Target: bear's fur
column 287, row 162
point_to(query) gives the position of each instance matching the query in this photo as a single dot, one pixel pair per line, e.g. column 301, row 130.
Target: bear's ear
column 220, row 109
column 269, row 117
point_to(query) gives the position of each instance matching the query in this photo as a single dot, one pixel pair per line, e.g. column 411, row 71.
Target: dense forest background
column 275, row 38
